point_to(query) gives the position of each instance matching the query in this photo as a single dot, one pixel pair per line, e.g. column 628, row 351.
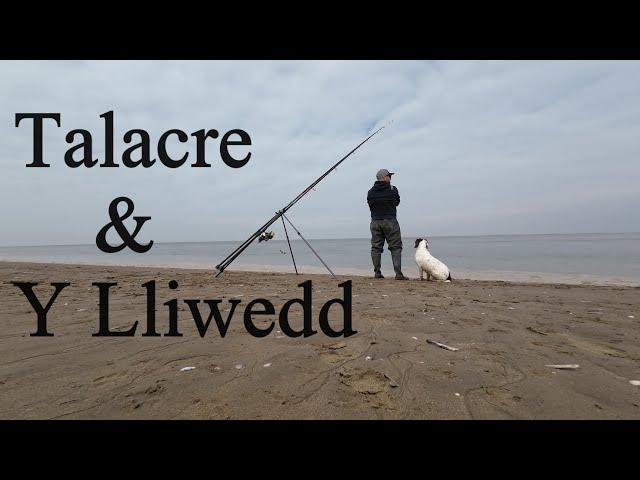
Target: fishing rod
column 221, row 267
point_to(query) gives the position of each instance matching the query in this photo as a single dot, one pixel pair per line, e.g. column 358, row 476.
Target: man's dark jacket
column 383, row 198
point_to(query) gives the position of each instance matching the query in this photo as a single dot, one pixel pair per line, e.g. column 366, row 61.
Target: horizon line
column 335, row 238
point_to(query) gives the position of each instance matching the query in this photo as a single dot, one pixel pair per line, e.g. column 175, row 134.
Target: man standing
column 383, row 198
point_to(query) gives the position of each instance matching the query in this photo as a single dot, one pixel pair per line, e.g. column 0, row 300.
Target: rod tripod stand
column 280, row 214
column 284, row 217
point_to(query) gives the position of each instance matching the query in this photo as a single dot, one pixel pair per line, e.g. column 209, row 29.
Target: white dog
column 429, row 264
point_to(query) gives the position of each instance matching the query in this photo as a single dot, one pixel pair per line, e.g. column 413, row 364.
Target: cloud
column 479, row 147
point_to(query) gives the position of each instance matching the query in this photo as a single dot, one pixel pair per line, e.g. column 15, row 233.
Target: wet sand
column 506, row 333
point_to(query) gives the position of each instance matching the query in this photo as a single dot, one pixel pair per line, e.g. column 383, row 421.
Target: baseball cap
column 383, row 173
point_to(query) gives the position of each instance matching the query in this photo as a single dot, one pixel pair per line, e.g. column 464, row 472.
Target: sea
column 598, row 258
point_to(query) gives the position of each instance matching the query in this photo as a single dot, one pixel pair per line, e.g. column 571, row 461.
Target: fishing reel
column 266, row 236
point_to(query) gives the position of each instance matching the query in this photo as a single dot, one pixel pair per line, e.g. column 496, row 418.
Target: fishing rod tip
column 386, row 125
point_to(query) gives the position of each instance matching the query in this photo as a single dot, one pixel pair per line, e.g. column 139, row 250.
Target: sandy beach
column 506, row 334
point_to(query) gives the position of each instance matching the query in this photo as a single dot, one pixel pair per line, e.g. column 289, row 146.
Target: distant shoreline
column 492, row 276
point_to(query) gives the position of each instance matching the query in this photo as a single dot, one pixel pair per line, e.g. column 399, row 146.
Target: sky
column 478, row 147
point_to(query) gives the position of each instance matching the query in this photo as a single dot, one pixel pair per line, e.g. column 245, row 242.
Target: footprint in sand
column 367, row 382
column 370, row 385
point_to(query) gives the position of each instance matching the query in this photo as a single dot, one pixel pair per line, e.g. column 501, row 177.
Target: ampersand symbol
column 116, row 222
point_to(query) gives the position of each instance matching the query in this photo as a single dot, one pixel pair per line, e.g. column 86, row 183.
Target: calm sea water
column 575, row 258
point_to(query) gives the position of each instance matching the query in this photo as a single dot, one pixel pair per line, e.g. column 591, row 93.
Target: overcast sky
column 479, row 147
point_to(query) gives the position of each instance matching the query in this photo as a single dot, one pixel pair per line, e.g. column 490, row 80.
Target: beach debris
column 81, row 309
column 186, row 369
column 631, row 316
column 217, row 368
column 535, row 330
column 368, row 357
column 392, row 382
column 635, row 382
column 266, row 365
column 442, row 345
column 337, row 346
column 457, row 394
column 511, row 308
column 239, row 366
column 415, row 338
column 569, row 366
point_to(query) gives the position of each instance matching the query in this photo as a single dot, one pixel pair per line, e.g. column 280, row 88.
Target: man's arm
column 397, row 195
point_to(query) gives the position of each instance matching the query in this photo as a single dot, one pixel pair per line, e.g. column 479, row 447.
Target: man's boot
column 396, row 257
column 377, row 262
